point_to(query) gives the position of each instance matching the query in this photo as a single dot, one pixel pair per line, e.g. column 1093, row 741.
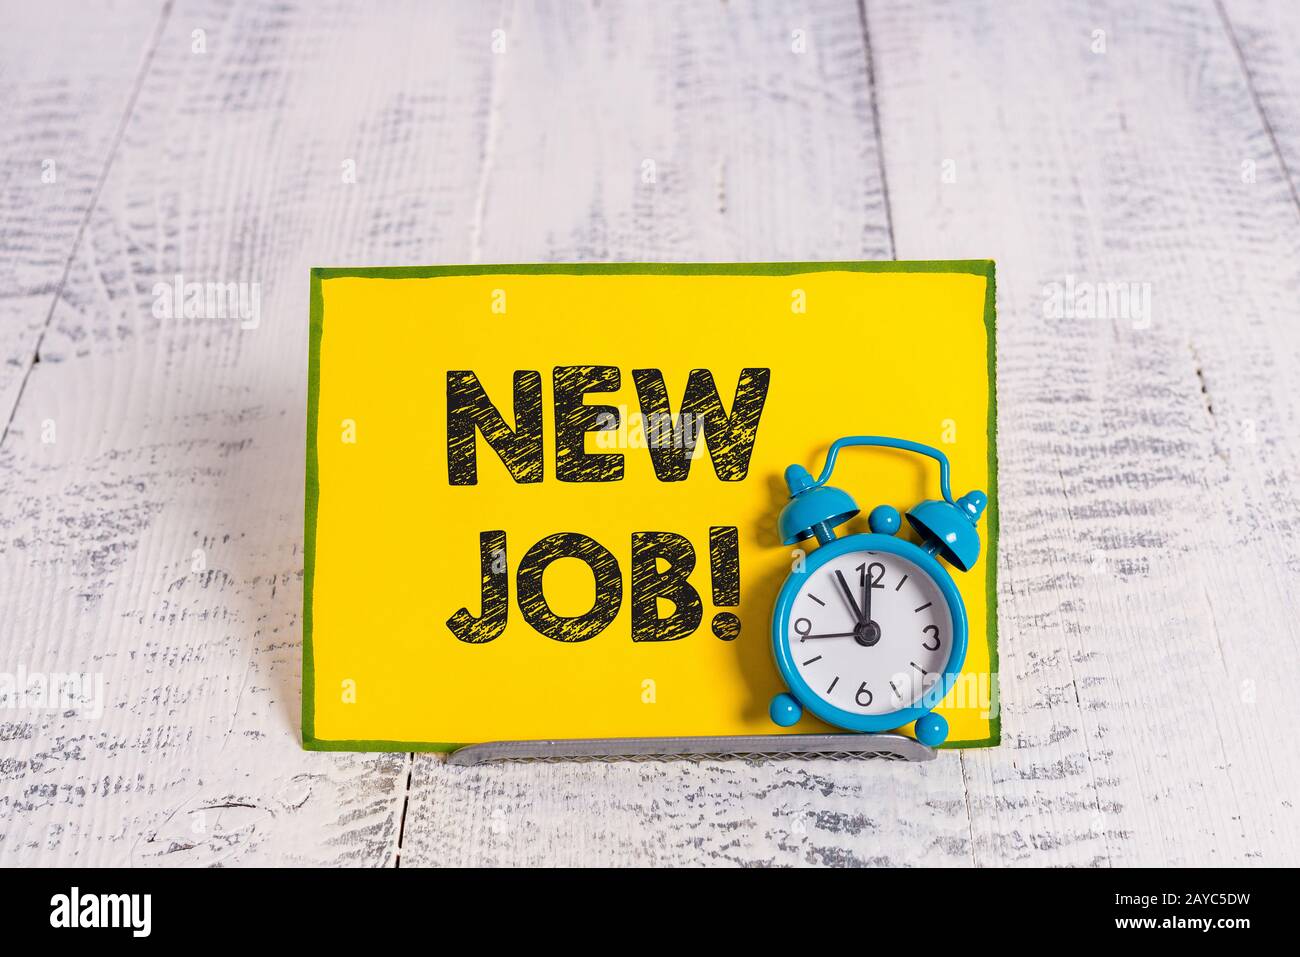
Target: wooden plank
column 761, row 153
column 157, row 540
column 1149, row 457
column 1147, row 467
column 1265, row 37
column 67, row 82
column 716, row 814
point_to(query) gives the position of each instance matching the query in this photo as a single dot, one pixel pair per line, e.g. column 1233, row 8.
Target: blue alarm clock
column 869, row 633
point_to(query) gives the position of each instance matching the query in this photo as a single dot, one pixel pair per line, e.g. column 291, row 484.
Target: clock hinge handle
column 885, row 441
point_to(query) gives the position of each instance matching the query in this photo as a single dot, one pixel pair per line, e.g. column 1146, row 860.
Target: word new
column 730, row 438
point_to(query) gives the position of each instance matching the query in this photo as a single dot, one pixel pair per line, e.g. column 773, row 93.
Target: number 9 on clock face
column 870, row 632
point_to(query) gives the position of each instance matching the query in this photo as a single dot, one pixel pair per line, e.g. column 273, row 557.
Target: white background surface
column 1149, row 559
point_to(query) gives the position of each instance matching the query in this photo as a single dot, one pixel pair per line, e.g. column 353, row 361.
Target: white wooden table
column 151, row 492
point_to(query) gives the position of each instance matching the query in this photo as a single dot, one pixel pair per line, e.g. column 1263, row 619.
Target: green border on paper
column 974, row 267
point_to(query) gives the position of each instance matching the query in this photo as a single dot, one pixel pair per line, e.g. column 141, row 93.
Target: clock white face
column 870, row 632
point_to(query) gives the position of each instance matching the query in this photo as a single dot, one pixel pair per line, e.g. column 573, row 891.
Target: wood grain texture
column 157, row 541
column 1148, row 468
column 1265, row 37
column 1147, row 462
column 68, row 77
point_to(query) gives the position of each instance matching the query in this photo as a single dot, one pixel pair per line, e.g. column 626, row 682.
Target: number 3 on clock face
column 874, row 634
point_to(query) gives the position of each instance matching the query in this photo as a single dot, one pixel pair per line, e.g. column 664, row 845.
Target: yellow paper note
column 397, row 539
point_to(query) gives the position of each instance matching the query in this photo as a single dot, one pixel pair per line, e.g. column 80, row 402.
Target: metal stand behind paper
column 748, row 747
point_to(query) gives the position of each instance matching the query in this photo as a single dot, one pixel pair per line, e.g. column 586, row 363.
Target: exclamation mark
column 724, row 566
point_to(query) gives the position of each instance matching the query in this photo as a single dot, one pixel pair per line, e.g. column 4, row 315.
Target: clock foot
column 931, row 730
column 784, row 710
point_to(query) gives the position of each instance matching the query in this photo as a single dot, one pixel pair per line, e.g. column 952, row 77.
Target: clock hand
column 838, row 634
column 848, row 596
column 866, row 594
